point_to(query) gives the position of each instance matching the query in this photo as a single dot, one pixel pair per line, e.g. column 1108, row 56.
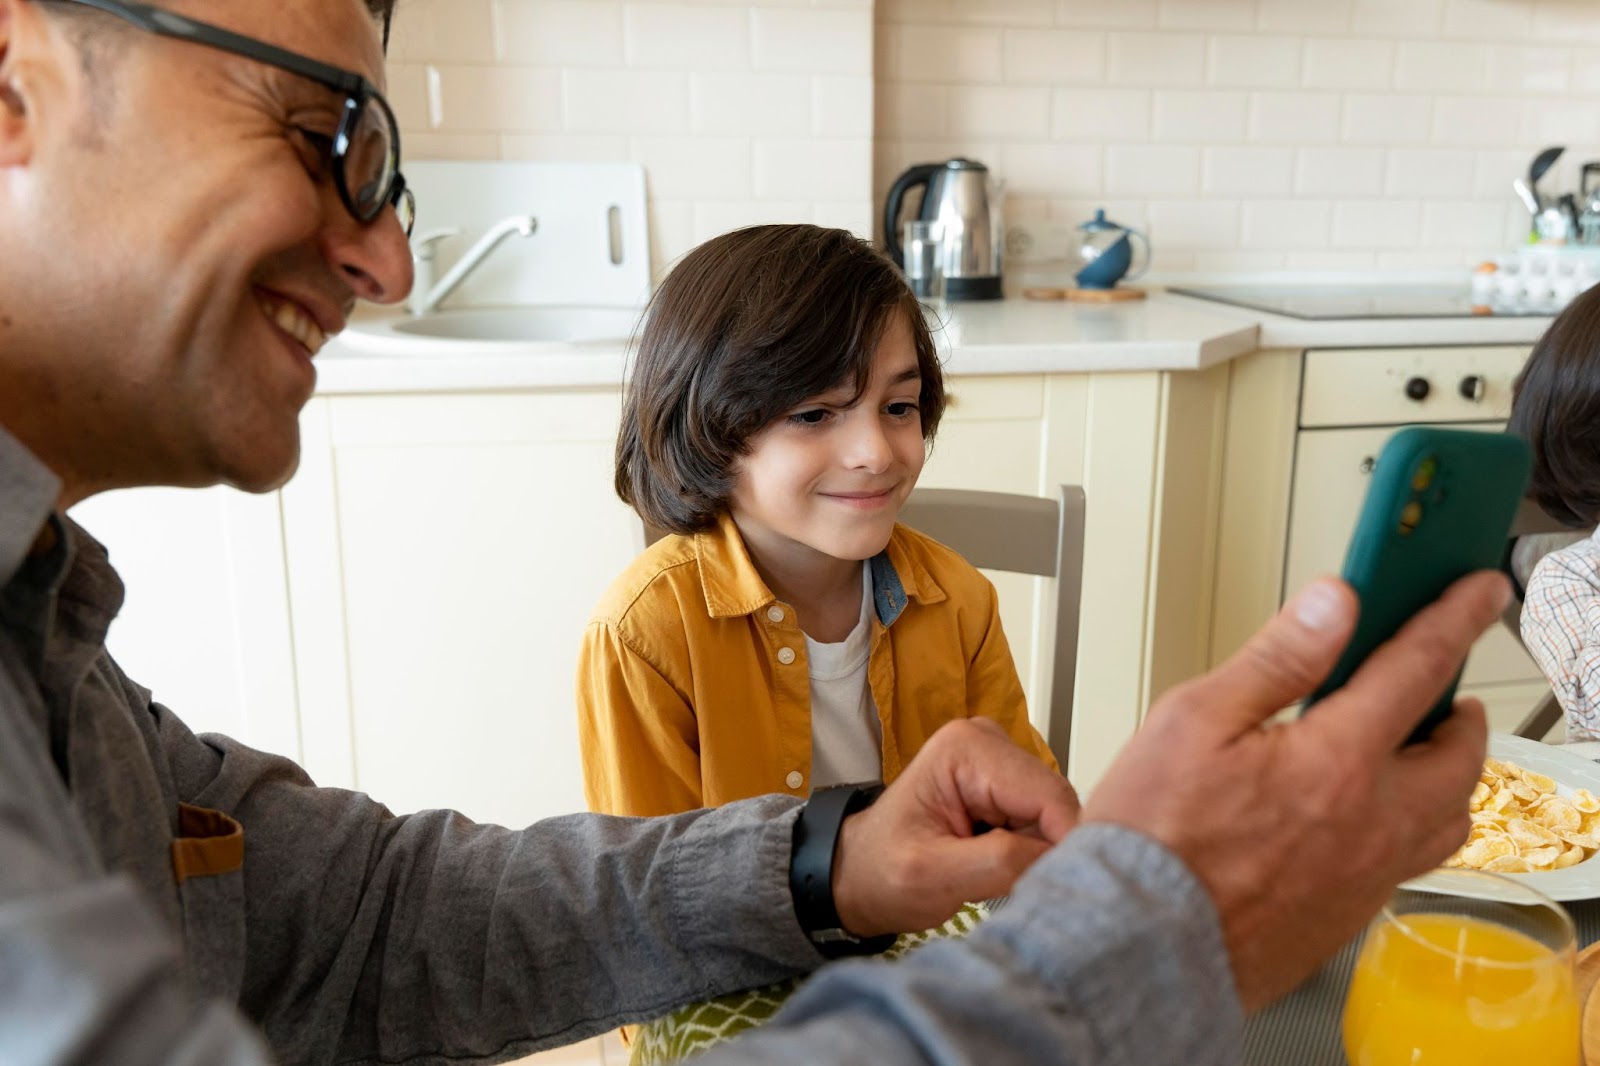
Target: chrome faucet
column 425, row 295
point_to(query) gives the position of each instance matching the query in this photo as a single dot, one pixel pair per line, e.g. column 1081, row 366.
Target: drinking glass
column 1480, row 971
column 923, row 248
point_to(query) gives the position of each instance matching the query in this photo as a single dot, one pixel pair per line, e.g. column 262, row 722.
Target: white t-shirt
column 846, row 737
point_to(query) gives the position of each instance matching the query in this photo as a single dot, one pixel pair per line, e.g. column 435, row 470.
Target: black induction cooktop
column 1362, row 301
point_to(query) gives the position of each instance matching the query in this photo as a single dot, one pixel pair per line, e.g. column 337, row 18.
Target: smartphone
column 1439, row 507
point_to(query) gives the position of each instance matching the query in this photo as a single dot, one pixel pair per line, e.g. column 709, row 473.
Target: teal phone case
column 1439, row 507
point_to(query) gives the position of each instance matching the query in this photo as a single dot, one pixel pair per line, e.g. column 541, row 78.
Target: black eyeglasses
column 364, row 153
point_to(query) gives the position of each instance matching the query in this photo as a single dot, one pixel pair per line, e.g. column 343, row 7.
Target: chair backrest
column 1025, row 535
column 1533, row 535
column 1018, row 534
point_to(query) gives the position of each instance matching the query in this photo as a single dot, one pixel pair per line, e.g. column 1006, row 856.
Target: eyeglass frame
column 358, row 92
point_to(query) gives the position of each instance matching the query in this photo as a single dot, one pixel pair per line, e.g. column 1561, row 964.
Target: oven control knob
column 1417, row 389
column 1472, row 387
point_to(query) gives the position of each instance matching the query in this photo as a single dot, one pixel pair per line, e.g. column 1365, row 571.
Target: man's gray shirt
column 158, row 888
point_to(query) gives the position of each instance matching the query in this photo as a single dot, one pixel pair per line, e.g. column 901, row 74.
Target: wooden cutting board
column 1091, row 296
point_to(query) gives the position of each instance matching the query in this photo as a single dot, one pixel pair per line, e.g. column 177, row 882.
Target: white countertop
column 1013, row 336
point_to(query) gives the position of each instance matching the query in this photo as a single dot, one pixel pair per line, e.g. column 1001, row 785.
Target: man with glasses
column 191, row 200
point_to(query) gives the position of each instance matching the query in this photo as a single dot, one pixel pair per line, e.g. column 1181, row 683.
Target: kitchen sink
column 490, row 330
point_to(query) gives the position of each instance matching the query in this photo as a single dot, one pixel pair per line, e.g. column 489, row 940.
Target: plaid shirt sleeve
column 1561, row 628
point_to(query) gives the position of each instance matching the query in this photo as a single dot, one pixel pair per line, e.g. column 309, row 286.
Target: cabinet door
column 475, row 535
column 205, row 624
column 1332, row 471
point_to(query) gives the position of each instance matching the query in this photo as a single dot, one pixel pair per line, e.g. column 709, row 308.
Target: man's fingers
column 1442, row 770
column 1397, row 684
column 1001, row 784
column 986, row 866
column 1283, row 661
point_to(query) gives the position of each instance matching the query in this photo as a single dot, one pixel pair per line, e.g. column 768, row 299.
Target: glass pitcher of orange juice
column 1479, row 971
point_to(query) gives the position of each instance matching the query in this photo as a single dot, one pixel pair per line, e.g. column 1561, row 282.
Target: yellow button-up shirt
column 693, row 687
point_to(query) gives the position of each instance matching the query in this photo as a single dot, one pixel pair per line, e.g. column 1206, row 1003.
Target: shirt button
column 794, row 780
column 775, row 614
column 786, row 656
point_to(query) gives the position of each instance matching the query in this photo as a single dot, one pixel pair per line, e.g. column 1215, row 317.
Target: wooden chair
column 1531, row 520
column 1023, row 535
column 1018, row 534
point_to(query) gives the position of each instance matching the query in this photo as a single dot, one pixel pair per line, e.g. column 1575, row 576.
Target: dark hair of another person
column 1555, row 407
column 745, row 328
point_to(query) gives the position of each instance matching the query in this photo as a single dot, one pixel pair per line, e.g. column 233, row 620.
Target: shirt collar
column 28, row 494
column 734, row 588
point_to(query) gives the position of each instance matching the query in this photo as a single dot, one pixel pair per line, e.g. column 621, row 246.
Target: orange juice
column 1459, row 991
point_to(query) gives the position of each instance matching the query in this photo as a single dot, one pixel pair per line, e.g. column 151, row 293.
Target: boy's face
column 830, row 477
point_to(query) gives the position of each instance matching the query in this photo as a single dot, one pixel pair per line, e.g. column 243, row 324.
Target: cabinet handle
column 1417, row 389
column 1368, row 463
column 1472, row 388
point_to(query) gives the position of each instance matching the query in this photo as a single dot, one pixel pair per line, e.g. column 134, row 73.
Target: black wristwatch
column 816, row 840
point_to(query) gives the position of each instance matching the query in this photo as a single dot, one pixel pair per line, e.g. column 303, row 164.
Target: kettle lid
column 1099, row 223
column 960, row 163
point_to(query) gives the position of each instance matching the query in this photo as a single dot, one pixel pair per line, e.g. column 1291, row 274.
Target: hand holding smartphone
column 1439, row 508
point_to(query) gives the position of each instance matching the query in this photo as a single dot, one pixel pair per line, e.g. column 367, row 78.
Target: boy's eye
column 901, row 409
column 814, row 417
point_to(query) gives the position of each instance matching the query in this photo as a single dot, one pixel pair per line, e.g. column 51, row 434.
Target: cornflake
column 1520, row 825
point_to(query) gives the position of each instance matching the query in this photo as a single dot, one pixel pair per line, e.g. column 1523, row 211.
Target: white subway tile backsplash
column 1558, row 121
column 1487, row 20
column 1474, row 120
column 1151, row 170
column 1387, row 118
column 1342, row 261
column 1410, row 18
column 1157, row 59
column 1537, row 69
column 1010, row 112
column 443, row 31
column 713, row 218
column 750, row 104
column 565, row 147
column 1199, row 116
column 626, row 101
column 430, row 145
column 1123, row 13
column 686, row 37
column 1565, row 21
column 699, row 168
column 1440, row 66
column 499, row 99
column 565, row 33
column 1468, row 224
column 814, row 40
column 1253, row 61
column 1349, row 63
column 853, row 215
column 1306, row 16
column 1376, row 223
column 671, row 232
column 1494, row 169
column 1101, row 115
column 1052, row 169
column 1586, row 71
column 1286, row 224
column 1339, row 172
column 1294, row 118
column 813, row 169
column 1248, row 262
column 945, row 54
column 1189, row 225
column 1206, row 14
column 1249, row 171
column 915, row 112
column 841, row 105
column 1054, row 57
column 1430, row 172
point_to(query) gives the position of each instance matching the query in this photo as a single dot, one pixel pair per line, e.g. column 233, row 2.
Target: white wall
column 741, row 112
column 1250, row 134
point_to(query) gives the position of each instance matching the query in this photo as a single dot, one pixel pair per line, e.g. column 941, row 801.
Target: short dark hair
column 1555, row 407
column 747, row 326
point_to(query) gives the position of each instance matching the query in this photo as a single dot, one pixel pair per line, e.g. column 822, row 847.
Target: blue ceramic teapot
column 1106, row 253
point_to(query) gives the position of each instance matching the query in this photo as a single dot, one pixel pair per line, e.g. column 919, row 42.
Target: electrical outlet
column 1036, row 241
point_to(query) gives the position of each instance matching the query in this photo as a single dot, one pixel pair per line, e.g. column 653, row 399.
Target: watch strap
column 811, row 859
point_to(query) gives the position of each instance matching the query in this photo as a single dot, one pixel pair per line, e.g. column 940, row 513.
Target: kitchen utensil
column 924, row 264
column 960, row 196
column 1540, row 165
column 1525, row 194
column 1569, row 207
column 1105, row 251
column 1589, row 197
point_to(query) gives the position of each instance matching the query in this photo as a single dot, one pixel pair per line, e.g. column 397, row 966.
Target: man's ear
column 16, row 131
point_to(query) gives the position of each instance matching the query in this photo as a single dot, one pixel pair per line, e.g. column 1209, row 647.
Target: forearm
column 1108, row 954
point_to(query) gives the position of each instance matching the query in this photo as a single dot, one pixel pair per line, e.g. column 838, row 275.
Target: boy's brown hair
column 1556, row 409
column 748, row 326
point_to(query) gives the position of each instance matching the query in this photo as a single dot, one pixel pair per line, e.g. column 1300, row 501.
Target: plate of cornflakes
column 1535, row 818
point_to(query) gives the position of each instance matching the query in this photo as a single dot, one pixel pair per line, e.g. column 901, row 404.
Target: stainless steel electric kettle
column 959, row 196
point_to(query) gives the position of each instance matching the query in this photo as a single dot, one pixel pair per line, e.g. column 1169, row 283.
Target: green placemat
column 698, row 1026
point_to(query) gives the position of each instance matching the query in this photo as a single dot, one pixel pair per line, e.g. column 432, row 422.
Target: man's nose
column 373, row 259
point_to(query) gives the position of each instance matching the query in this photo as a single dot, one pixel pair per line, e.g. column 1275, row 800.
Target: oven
column 1351, row 400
